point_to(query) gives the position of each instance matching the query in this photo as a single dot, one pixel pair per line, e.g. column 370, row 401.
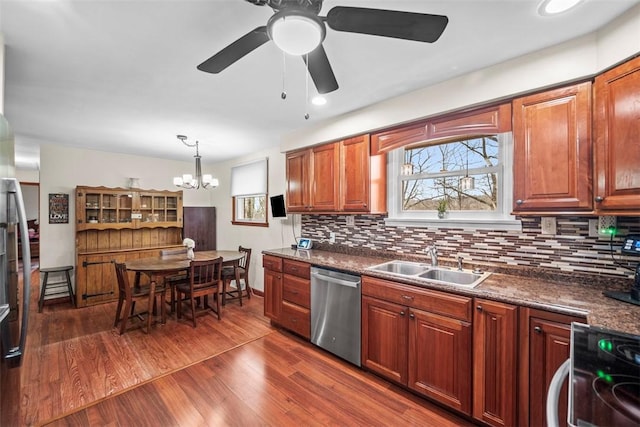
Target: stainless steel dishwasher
column 335, row 313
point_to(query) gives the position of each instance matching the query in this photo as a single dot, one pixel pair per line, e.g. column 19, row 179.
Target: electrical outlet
column 332, row 237
column 350, row 220
column 606, row 225
column 593, row 228
column 549, row 225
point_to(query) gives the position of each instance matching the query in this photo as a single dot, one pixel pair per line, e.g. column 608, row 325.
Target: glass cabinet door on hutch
column 102, row 207
column 106, row 208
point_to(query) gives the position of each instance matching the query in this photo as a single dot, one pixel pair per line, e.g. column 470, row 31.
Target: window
column 426, row 176
column 249, row 193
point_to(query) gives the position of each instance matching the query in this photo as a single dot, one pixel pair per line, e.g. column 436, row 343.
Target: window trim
column 501, row 219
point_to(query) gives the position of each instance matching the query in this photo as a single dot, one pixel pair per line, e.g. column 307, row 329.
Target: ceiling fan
column 296, row 28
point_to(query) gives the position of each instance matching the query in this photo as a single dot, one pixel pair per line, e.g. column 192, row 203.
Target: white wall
column 63, row 168
column 1, row 74
column 575, row 59
column 279, row 233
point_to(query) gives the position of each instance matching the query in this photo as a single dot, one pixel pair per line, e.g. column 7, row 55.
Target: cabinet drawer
column 297, row 268
column 447, row 304
column 297, row 290
column 272, row 263
column 297, row 319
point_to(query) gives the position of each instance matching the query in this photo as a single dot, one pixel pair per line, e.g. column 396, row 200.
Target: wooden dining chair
column 128, row 295
column 205, row 278
column 229, row 275
column 173, row 280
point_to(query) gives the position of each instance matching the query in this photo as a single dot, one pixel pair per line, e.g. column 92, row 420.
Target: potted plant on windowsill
column 442, row 208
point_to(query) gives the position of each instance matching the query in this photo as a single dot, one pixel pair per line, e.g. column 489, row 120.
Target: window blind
column 249, row 178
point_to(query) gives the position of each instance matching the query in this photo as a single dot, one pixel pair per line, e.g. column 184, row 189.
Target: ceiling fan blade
column 387, row 23
column 320, row 70
column 236, row 50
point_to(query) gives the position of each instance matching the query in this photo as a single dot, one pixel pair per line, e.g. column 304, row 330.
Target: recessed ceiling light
column 319, row 100
column 554, row 7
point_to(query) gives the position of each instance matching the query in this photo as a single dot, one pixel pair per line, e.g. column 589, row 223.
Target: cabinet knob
column 599, row 199
column 537, row 330
column 402, row 313
column 412, row 316
column 479, row 307
column 519, row 202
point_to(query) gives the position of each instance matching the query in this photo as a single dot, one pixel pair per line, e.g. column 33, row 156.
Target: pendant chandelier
column 189, row 181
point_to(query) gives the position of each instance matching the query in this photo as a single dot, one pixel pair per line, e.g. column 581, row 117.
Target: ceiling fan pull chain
column 306, row 96
column 283, row 95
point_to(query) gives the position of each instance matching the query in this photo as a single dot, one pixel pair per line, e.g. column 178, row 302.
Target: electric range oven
column 604, row 386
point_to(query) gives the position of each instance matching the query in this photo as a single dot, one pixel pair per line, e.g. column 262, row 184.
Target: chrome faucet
column 460, row 263
column 433, row 251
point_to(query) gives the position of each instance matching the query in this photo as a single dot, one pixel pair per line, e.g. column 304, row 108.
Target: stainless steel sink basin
column 456, row 277
column 444, row 275
column 403, row 268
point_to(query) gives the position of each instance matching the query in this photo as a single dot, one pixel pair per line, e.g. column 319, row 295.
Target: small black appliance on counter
column 631, row 245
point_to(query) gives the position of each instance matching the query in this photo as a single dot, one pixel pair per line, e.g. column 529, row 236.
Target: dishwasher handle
column 337, row 281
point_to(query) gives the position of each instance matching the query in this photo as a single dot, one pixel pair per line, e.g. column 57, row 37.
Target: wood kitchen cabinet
column 495, row 351
column 617, row 140
column 296, row 297
column 272, row 286
column 313, row 179
column 287, row 294
column 340, row 176
column 418, row 338
column 552, row 151
column 545, row 340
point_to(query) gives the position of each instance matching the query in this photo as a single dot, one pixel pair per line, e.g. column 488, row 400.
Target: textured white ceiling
column 121, row 75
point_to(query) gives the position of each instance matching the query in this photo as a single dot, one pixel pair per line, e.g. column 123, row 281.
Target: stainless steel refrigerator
column 14, row 299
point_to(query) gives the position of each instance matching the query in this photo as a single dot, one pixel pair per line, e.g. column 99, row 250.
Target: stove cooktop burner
column 621, row 393
column 624, row 350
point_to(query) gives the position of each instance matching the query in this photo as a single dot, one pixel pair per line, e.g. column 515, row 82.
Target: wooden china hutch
column 119, row 224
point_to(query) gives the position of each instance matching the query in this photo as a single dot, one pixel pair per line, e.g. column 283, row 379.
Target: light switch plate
column 548, row 225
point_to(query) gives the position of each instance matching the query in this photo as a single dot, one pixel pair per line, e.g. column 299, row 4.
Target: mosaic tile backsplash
column 570, row 250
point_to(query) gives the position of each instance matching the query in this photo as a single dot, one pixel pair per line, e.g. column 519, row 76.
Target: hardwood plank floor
column 239, row 371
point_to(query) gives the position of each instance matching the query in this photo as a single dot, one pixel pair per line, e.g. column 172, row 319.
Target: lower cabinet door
column 550, row 344
column 272, row 294
column 495, row 363
column 384, row 338
column 440, row 359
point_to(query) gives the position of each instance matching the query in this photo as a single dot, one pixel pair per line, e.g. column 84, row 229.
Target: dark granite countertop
column 558, row 294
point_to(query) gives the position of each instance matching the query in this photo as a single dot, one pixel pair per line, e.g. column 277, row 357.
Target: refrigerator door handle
column 13, row 187
column 553, row 395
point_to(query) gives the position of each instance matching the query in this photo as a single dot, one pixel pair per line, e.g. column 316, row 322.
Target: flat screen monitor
column 277, row 206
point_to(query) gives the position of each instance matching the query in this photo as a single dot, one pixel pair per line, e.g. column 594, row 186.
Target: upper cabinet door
column 298, row 163
column 326, row 177
column 552, row 151
column 617, row 135
column 354, row 169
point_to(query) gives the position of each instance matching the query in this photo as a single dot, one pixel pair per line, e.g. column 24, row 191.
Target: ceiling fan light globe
column 296, row 33
column 554, row 7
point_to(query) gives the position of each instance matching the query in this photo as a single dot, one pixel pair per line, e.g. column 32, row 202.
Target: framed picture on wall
column 58, row 208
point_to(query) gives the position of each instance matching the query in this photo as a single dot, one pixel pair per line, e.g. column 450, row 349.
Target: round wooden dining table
column 160, row 267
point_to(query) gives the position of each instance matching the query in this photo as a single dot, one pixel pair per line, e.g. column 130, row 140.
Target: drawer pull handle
column 407, row 297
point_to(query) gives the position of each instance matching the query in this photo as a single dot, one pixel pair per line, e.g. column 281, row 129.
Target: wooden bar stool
column 58, row 288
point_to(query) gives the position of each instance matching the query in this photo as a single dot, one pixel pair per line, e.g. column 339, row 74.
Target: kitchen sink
column 402, row 268
column 456, row 277
column 445, row 275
